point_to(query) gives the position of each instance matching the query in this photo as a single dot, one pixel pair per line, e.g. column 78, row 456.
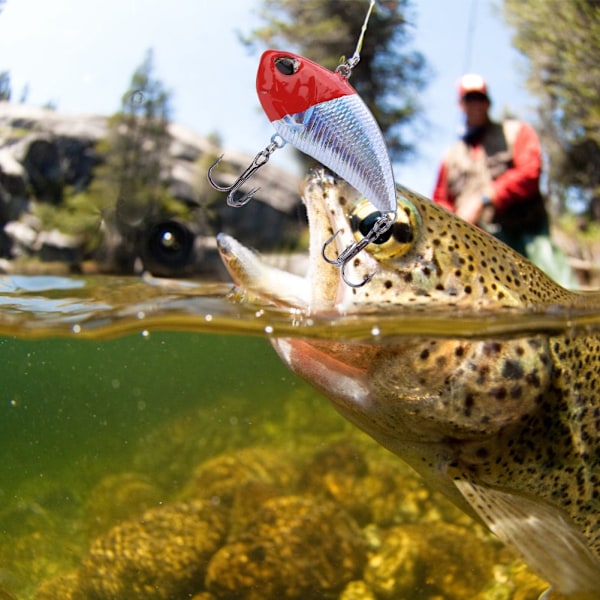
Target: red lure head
column 288, row 84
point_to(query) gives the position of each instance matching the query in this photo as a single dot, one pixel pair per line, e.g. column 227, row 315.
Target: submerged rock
column 296, row 548
column 373, row 488
column 161, row 556
column 341, row 472
column 363, row 528
column 429, row 560
column 219, row 478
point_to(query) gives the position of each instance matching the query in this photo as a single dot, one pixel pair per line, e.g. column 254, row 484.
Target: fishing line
column 345, row 69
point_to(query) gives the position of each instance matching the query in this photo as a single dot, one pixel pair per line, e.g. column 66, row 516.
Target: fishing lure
column 320, row 113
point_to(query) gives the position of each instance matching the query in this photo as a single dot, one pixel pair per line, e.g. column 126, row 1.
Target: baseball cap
column 472, row 83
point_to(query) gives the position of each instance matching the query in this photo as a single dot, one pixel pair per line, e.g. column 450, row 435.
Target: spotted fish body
column 318, row 112
column 508, row 428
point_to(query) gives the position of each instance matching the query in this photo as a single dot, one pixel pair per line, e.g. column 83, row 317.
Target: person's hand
column 470, row 209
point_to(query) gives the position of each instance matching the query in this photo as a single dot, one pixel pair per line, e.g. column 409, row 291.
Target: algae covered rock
column 248, row 500
column 371, row 490
column 219, row 478
column 296, row 548
column 338, row 472
column 160, row 556
column 428, row 560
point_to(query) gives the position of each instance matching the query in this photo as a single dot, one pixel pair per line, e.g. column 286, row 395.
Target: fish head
column 430, row 260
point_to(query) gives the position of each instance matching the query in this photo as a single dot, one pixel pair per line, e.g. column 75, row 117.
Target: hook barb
column 366, row 278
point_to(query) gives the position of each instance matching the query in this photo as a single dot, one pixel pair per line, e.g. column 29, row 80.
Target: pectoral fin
column 542, row 533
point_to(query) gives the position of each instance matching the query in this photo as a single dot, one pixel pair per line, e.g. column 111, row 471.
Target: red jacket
column 518, row 183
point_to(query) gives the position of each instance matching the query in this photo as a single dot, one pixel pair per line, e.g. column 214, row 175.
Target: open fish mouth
column 328, row 203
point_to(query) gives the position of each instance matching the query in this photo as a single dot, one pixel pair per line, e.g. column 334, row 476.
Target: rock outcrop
column 43, row 153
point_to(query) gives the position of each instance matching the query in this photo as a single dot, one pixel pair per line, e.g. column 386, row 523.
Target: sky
column 81, row 55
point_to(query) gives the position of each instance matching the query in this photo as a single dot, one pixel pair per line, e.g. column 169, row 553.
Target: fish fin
column 324, row 370
column 542, row 533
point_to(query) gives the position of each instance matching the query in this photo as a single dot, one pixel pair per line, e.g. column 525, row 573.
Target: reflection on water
column 147, row 455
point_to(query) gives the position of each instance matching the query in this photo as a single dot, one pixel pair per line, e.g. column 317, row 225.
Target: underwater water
column 153, row 446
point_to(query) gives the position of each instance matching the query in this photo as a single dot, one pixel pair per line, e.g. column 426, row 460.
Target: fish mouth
column 321, row 290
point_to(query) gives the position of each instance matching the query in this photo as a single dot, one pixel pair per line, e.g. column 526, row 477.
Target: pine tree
column 136, row 150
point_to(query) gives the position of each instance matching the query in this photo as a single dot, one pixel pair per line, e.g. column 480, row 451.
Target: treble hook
column 260, row 159
column 381, row 225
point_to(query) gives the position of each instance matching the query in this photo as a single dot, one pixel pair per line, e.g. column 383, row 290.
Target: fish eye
column 402, row 232
column 287, row 65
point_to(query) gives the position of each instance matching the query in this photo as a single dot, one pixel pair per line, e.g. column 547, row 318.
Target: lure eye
column 287, row 65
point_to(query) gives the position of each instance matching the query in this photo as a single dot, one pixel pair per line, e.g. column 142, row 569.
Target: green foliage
column 561, row 39
column 389, row 76
column 138, row 142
